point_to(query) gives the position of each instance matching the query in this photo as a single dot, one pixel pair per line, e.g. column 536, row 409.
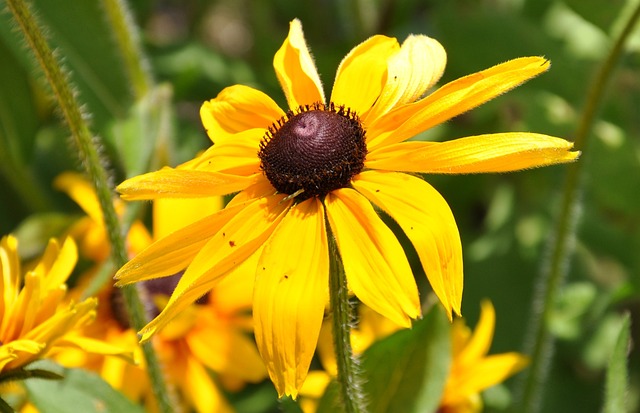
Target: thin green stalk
column 127, row 39
column 348, row 364
column 562, row 242
column 86, row 145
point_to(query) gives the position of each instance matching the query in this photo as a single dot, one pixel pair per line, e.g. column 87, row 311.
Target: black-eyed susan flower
column 320, row 167
column 37, row 320
column 212, row 335
column 472, row 369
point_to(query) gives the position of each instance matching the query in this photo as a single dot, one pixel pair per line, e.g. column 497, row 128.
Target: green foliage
column 83, row 390
column 617, row 372
column 406, row 371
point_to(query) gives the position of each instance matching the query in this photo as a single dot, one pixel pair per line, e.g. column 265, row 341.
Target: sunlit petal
column 375, row 264
column 296, row 69
column 411, row 72
column 237, row 155
column 362, row 73
column 173, row 253
column 182, row 183
column 290, row 294
column 426, row 219
column 236, row 241
column 453, row 99
column 499, row 152
column 236, row 109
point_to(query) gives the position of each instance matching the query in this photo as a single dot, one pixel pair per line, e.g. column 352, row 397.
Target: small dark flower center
column 313, row 151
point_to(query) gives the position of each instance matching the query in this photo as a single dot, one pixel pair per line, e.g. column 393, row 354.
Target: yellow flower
column 325, row 163
column 472, row 370
column 36, row 318
column 211, row 334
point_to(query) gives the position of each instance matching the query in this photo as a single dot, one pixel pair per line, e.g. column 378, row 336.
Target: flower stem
column 86, row 146
column 562, row 241
column 128, row 41
column 348, row 364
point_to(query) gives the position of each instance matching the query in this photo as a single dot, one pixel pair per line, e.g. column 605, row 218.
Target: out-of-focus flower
column 213, row 333
column 37, row 319
column 325, row 162
column 472, row 369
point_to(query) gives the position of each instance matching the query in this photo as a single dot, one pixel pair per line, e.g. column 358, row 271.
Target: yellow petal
column 173, row 253
column 362, row 73
column 57, row 263
column 237, row 109
column 411, row 72
column 480, row 341
column 296, row 69
column 375, row 264
column 200, row 389
column 82, row 193
column 453, row 99
column 172, row 214
column 227, row 352
column 290, row 294
column 182, row 183
column 237, row 155
column 426, row 219
column 93, row 346
column 483, row 374
column 236, row 241
column 499, row 152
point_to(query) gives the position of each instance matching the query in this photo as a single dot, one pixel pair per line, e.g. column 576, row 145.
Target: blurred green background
column 199, row 47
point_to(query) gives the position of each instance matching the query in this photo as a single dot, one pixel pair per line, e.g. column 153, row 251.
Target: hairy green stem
column 127, row 39
column 562, row 242
column 86, row 147
column 348, row 364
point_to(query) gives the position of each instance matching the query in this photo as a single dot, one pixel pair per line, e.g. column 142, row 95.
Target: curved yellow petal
column 182, row 183
column 479, row 343
column 296, row 69
column 362, row 73
column 453, row 99
column 173, row 253
column 237, row 155
column 236, row 241
column 236, row 109
column 290, row 294
column 427, row 220
column 483, row 374
column 499, row 152
column 57, row 263
column 411, row 72
column 375, row 264
column 81, row 191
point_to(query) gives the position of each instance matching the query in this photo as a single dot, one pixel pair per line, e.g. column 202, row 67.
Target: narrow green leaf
column 83, row 390
column 617, row 374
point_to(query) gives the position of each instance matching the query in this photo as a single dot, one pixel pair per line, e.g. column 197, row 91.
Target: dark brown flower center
column 313, row 151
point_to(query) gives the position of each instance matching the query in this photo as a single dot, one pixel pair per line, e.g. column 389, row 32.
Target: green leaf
column 146, row 133
column 85, row 391
column 404, row 372
column 594, row 12
column 617, row 374
column 407, row 371
column 79, row 33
